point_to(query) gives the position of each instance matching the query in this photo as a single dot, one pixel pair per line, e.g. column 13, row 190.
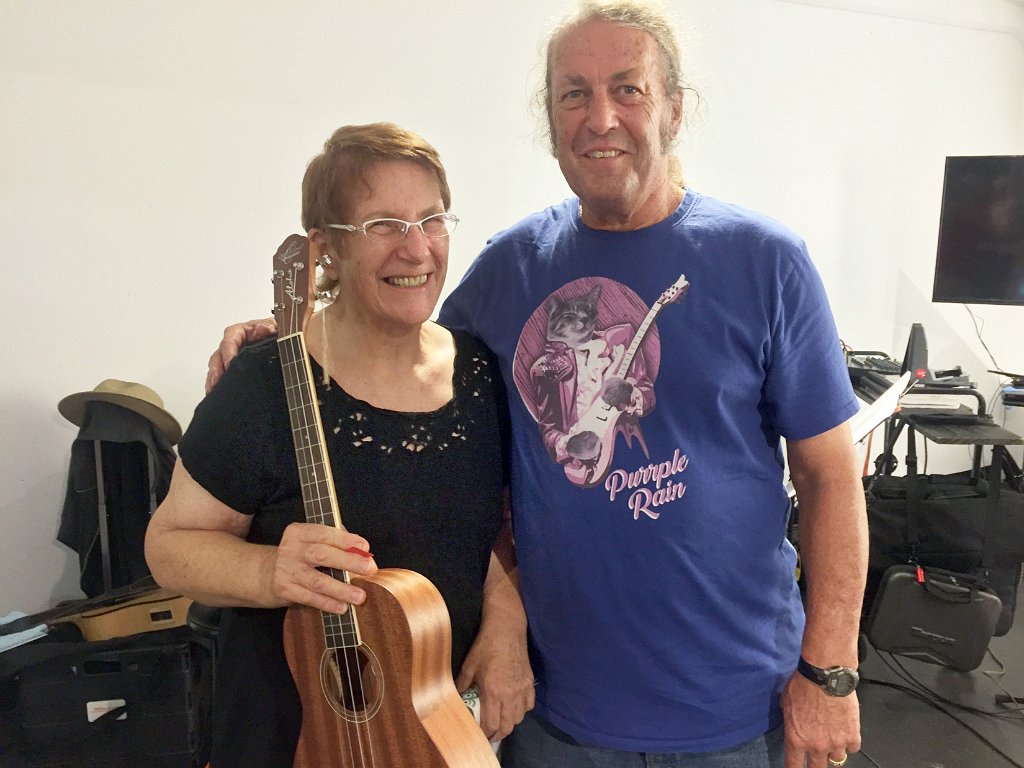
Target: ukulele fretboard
column 317, row 485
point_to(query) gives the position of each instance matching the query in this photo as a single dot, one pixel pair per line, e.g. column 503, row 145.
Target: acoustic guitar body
column 160, row 609
column 390, row 701
column 139, row 607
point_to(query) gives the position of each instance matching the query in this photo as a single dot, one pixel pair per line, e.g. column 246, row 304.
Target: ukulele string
column 298, row 385
column 354, row 732
column 319, row 484
column 326, row 378
column 350, row 653
column 315, row 491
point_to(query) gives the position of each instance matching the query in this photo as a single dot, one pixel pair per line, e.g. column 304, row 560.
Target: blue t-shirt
column 650, row 518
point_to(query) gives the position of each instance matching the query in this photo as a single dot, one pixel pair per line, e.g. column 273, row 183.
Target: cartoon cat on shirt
column 576, row 372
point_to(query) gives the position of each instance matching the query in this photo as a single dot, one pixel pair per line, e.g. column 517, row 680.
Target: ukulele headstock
column 294, row 285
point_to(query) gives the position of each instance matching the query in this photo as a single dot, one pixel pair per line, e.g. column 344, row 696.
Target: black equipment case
column 933, row 615
column 955, row 520
column 142, row 700
column 968, row 536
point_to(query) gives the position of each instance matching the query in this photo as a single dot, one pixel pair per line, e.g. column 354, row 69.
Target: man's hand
column 820, row 727
column 834, row 548
column 235, row 337
column 499, row 667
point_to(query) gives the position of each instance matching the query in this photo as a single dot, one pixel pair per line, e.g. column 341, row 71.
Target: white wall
column 152, row 153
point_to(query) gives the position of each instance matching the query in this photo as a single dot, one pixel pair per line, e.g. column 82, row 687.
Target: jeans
column 535, row 743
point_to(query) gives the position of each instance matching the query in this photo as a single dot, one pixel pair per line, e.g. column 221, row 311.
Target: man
column 665, row 622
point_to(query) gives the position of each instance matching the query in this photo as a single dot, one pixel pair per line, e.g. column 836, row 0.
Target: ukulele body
column 390, row 701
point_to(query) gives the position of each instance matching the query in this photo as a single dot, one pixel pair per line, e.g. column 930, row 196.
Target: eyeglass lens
column 438, row 225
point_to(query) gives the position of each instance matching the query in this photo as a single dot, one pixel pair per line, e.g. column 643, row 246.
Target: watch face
column 840, row 682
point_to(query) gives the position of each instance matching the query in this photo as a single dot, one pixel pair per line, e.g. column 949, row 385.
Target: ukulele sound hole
column 352, row 682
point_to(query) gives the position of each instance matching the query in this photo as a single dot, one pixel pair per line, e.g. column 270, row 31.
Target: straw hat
column 135, row 397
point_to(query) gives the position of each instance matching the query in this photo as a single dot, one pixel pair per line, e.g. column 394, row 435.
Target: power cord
column 977, row 331
column 918, row 690
column 868, row 757
column 924, row 698
column 1007, row 698
column 997, row 393
column 908, row 677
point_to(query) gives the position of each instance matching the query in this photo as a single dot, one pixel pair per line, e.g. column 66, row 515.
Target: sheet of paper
column 19, row 638
column 872, row 415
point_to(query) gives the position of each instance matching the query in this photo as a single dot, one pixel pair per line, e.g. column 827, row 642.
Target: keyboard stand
column 978, row 435
column 916, row 419
column 952, row 433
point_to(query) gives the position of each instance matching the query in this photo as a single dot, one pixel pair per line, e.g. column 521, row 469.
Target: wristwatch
column 835, row 681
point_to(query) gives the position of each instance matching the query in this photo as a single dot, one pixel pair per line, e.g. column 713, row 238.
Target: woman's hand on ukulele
column 307, row 548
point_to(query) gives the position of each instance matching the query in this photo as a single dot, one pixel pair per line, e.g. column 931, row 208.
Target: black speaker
column 138, row 703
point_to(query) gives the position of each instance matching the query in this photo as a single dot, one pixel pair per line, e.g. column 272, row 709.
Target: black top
column 425, row 489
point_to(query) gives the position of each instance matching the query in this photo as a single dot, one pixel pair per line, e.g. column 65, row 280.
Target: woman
column 413, row 421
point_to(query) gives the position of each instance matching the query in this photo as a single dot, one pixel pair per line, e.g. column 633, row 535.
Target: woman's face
column 392, row 283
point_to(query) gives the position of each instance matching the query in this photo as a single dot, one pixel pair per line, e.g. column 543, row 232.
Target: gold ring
column 838, row 762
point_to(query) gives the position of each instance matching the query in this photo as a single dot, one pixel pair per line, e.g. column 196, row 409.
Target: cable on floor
column 924, row 698
column 916, row 688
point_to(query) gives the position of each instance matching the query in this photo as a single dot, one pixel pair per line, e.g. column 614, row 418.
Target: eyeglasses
column 435, row 225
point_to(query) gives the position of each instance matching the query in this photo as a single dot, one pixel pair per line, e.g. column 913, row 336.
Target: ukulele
column 602, row 419
column 376, row 689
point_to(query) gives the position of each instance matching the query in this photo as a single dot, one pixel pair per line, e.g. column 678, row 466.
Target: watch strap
column 815, row 674
column 835, row 681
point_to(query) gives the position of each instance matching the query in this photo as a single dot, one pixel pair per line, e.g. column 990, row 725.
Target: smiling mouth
column 604, row 153
column 406, row 282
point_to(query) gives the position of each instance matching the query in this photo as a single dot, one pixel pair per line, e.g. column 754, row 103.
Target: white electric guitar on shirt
column 601, row 421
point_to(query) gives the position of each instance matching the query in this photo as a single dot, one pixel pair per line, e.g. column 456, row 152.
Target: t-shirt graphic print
column 585, row 367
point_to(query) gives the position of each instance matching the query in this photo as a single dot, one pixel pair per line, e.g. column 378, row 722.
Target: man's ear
column 677, row 111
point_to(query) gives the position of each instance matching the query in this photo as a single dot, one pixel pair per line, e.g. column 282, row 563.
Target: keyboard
column 875, row 363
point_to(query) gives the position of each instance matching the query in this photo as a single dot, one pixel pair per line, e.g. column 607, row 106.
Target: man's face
column 612, row 120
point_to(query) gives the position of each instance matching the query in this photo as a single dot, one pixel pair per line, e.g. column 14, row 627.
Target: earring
column 326, row 260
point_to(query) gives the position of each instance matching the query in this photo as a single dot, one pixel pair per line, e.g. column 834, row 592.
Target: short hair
column 638, row 14
column 351, row 150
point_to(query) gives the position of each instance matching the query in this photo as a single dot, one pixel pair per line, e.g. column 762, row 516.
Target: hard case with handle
column 933, row 615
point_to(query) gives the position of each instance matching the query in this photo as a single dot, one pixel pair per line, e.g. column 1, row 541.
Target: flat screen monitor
column 980, row 257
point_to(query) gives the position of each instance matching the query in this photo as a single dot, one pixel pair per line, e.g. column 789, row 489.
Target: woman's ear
column 321, row 249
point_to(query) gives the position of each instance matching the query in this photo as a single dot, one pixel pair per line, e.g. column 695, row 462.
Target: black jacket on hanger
column 129, row 446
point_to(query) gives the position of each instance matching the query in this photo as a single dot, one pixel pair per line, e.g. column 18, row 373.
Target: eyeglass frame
column 406, row 226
